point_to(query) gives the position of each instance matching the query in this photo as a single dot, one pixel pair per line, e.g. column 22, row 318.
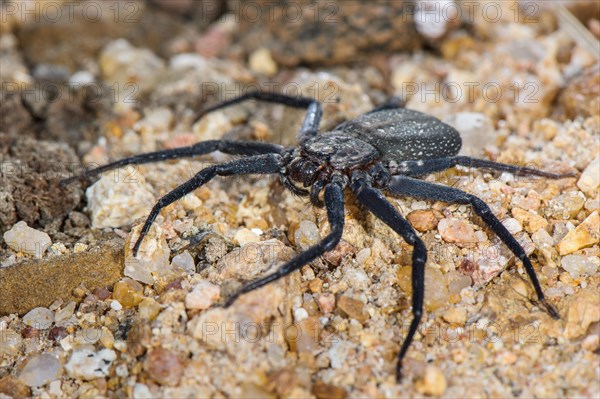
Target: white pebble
column 116, row 305
column 141, row 391
column 300, row 314
column 87, row 364
column 40, row 370
column 184, row 261
column 579, row 265
column 22, row 238
column 119, row 198
column 307, row 234
column 245, row 236
column 512, row 225
column 202, row 296
column 39, row 318
column 590, row 178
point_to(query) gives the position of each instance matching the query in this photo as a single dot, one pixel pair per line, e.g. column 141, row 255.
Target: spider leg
column 427, row 166
column 374, row 200
column 259, row 164
column 334, row 200
column 407, row 186
column 310, row 125
column 204, row 147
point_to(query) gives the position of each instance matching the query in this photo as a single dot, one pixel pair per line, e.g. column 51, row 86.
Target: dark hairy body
column 386, row 149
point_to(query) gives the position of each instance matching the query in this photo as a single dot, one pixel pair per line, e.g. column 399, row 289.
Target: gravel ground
column 80, row 317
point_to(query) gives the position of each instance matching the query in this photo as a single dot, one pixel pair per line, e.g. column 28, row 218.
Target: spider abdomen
column 403, row 134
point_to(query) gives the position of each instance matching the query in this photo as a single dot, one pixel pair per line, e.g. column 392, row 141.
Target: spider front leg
column 409, row 187
column 259, row 164
column 374, row 201
column 202, row 148
column 334, row 201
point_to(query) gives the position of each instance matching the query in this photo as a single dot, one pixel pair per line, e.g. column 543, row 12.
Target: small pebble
column 307, row 234
column 185, row 262
column 119, row 198
column 152, row 261
column 164, row 366
column 326, row 302
column 128, row 292
column 579, row 265
column 40, row 370
column 436, row 290
column 433, row 382
column 512, row 225
column 10, row 344
column 39, row 318
column 589, row 181
column 353, row 308
column 456, row 231
column 22, row 238
column 583, row 310
column 87, row 364
column 116, row 305
column 203, row 295
column 423, row 220
column 300, row 314
column 245, row 236
column 566, row 206
column 455, row 316
column 148, row 309
column 584, row 235
column 13, row 388
column 141, row 391
column 315, row 285
column 261, row 62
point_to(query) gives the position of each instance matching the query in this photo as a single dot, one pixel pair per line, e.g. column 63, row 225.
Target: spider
column 385, row 149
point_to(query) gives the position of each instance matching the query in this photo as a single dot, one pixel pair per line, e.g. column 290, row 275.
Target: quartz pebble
column 22, row 238
column 10, row 343
column 579, row 265
column 456, row 231
column 589, row 181
column 584, row 235
column 566, row 206
column 202, row 296
column 152, row 261
column 436, row 291
column 87, row 364
column 184, row 261
column 128, row 292
column 118, row 199
column 164, row 366
column 39, row 318
column 307, row 234
column 40, row 370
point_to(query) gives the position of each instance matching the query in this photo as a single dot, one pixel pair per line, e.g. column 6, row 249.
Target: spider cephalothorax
column 385, row 149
